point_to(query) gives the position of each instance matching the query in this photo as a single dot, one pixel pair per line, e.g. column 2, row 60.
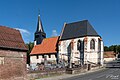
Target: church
column 77, row 44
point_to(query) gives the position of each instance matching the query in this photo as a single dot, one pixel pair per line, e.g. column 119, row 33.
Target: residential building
column 47, row 50
column 109, row 56
column 12, row 55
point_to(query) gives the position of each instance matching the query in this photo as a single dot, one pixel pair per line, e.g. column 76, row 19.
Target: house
column 78, row 44
column 47, row 50
column 12, row 54
column 109, row 56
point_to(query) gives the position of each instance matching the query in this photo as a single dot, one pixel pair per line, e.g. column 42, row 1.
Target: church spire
column 39, row 25
column 39, row 34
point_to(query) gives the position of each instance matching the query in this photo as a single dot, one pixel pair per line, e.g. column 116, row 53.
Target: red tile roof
column 48, row 46
column 11, row 38
column 109, row 54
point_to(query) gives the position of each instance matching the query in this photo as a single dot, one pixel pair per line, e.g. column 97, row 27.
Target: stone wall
column 45, row 73
column 13, row 65
column 48, row 73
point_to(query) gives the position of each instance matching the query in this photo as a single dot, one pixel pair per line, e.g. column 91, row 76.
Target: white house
column 45, row 49
column 109, row 56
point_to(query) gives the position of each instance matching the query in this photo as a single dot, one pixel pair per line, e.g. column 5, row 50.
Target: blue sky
column 104, row 15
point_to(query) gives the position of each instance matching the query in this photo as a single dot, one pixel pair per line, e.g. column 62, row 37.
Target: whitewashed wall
column 89, row 55
column 34, row 60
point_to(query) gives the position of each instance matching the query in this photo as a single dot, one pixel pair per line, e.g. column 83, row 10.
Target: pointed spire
column 39, row 34
column 39, row 25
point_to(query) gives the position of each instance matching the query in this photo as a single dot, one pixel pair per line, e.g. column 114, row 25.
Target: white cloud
column 54, row 33
column 25, row 34
column 23, row 31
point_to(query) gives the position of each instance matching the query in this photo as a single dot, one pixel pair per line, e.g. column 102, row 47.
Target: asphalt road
column 106, row 74
column 112, row 72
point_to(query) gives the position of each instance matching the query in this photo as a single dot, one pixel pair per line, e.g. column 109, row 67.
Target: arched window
column 92, row 44
column 79, row 45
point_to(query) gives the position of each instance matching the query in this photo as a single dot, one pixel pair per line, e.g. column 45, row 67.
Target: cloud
column 23, row 31
column 54, row 33
column 25, row 34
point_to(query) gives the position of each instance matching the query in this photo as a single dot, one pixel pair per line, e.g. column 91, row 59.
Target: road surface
column 112, row 72
column 106, row 74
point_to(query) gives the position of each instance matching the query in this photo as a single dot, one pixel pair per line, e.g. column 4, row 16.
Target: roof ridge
column 77, row 21
column 63, row 29
column 51, row 37
column 9, row 27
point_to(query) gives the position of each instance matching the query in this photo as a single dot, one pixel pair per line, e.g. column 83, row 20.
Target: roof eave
column 80, row 37
column 14, row 49
column 32, row 54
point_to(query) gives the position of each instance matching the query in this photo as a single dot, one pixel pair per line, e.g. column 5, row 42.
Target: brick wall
column 13, row 65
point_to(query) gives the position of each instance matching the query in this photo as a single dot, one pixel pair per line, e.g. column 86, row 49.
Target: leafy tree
column 115, row 48
column 30, row 46
column 112, row 48
column 106, row 48
column 118, row 48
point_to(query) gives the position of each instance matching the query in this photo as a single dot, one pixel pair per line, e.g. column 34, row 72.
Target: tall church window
column 92, row 44
column 99, row 44
column 79, row 45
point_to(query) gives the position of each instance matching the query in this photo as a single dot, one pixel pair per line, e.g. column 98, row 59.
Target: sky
column 104, row 16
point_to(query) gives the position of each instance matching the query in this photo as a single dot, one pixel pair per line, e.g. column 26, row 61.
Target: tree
column 30, row 46
column 115, row 48
column 106, row 48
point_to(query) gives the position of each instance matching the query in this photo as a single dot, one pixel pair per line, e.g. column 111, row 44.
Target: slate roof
column 78, row 29
column 48, row 46
column 11, row 39
column 39, row 25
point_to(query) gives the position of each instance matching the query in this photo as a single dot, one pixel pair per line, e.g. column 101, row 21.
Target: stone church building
column 78, row 43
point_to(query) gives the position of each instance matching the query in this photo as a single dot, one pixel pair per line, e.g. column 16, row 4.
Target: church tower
column 39, row 34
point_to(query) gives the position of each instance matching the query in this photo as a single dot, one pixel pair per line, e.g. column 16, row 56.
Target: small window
column 92, row 44
column 43, row 56
column 36, row 35
column 49, row 56
column 37, row 57
column 1, row 60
